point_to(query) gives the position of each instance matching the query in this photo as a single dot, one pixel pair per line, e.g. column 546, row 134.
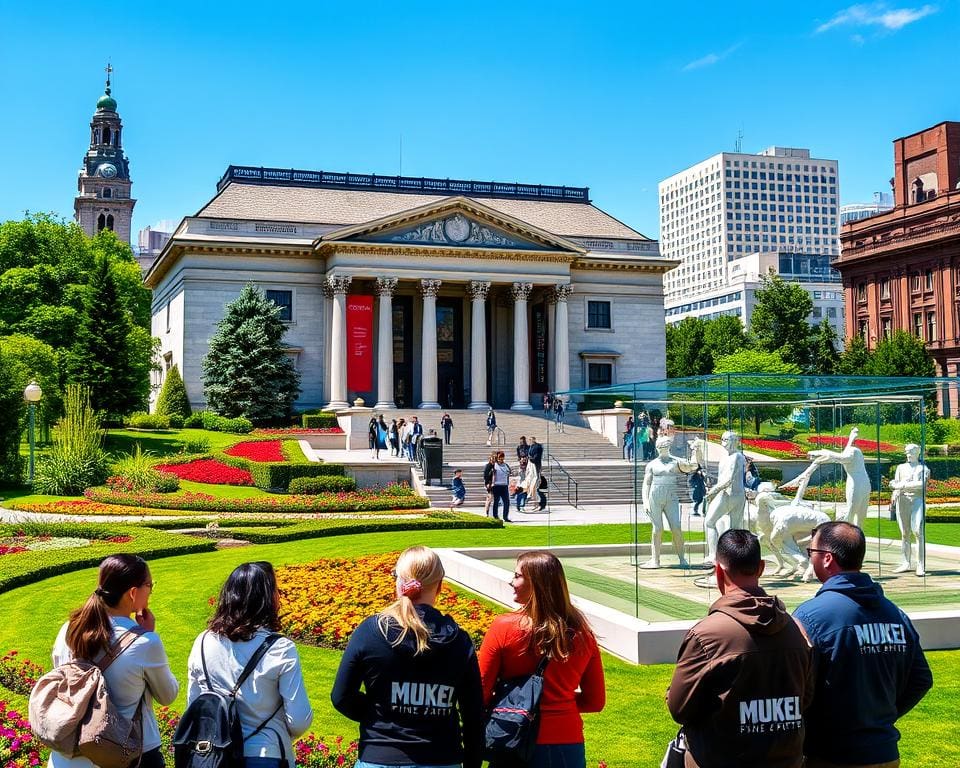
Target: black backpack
column 209, row 734
column 513, row 720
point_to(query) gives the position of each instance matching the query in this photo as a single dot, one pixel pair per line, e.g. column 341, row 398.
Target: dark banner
column 360, row 343
column 538, row 352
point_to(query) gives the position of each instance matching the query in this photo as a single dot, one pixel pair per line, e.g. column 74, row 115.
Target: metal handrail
column 501, row 437
column 572, row 484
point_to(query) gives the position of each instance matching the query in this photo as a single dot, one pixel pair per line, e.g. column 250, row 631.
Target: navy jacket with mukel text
column 411, row 705
column 870, row 670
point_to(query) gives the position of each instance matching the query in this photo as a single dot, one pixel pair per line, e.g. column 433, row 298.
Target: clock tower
column 103, row 187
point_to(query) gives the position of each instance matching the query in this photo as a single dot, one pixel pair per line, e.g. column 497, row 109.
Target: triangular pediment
column 455, row 222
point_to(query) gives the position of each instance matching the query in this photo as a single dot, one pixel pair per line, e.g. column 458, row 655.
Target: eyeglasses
column 811, row 550
column 393, row 573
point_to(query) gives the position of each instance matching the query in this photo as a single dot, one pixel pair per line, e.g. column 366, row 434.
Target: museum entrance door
column 450, row 352
column 403, row 351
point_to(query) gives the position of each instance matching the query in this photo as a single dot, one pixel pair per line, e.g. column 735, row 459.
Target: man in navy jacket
column 871, row 668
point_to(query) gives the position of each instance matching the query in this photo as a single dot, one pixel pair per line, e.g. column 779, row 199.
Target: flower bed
column 871, row 446
column 258, row 450
column 21, row 542
column 781, row 448
column 393, row 497
column 323, row 602
column 208, row 471
column 297, row 431
column 18, row 674
column 18, row 747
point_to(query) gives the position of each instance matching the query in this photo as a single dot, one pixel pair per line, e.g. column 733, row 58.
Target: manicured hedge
column 26, row 568
column 276, row 476
column 312, row 485
column 319, row 420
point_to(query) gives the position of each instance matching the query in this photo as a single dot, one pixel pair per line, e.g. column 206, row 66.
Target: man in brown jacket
column 745, row 673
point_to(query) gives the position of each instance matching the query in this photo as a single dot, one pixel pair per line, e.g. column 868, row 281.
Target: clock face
column 107, row 170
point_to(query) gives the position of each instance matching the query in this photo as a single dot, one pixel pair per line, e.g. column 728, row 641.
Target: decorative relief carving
column 521, row 291
column 429, row 287
column 478, row 290
column 457, row 230
column 326, row 288
column 562, row 292
column 386, row 286
column 339, row 283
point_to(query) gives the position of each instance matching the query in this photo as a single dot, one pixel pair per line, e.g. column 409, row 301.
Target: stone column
column 428, row 349
column 385, row 289
column 339, row 284
column 478, row 344
column 521, row 348
column 551, row 298
column 561, row 337
column 327, row 291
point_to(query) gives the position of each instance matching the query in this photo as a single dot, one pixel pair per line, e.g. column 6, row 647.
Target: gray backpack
column 71, row 712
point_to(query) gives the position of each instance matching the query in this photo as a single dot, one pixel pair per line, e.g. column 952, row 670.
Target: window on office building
column 862, row 329
column 861, row 291
column 885, row 288
column 918, row 324
column 600, row 374
column 886, row 327
column 931, row 326
column 598, row 314
column 284, row 300
column 928, row 279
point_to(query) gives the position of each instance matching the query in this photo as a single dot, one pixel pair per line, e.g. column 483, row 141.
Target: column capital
column 386, row 286
column 429, row 287
column 339, row 283
column 478, row 289
column 521, row 291
column 562, row 292
column 326, row 288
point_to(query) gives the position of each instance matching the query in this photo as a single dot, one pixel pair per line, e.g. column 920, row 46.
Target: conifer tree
column 825, row 355
column 247, row 371
column 173, row 400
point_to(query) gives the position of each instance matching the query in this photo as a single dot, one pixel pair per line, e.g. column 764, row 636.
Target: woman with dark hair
column 419, row 677
column 272, row 702
column 140, row 674
column 547, row 624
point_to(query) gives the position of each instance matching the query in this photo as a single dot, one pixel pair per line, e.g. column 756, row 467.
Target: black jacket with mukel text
column 411, row 705
column 743, row 680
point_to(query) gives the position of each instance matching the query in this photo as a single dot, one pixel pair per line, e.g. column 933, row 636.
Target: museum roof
column 563, row 211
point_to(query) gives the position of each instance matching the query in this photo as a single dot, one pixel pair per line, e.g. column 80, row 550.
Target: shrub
column 77, row 459
column 215, row 423
column 194, row 420
column 173, row 399
column 199, row 444
column 135, row 472
column 313, row 485
column 18, row 746
column 277, row 475
column 320, row 420
column 141, row 420
column 18, row 674
column 176, row 421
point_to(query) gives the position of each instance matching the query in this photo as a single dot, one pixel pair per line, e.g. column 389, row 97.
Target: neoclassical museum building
column 415, row 292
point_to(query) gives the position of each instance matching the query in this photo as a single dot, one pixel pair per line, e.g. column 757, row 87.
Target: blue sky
column 607, row 95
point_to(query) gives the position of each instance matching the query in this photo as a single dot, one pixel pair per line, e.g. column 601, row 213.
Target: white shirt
column 501, row 474
column 140, row 674
column 278, row 677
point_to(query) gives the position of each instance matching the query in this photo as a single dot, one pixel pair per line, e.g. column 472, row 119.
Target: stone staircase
column 582, row 468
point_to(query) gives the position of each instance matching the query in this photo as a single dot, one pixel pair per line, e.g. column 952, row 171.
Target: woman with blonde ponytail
column 115, row 613
column 547, row 624
column 420, row 706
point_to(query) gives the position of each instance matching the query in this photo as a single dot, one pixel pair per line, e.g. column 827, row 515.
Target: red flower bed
column 208, row 471
column 841, row 442
column 258, row 450
column 8, row 550
column 297, row 431
column 781, row 446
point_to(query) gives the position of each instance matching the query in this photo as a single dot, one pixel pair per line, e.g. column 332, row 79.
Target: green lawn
column 631, row 731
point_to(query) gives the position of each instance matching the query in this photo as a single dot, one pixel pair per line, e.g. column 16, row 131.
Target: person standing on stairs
column 500, row 486
column 491, row 426
column 558, row 412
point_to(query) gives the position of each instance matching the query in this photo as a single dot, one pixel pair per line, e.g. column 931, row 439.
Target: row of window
column 921, row 322
column 918, row 282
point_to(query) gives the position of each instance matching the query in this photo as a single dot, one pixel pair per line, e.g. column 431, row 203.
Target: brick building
column 901, row 269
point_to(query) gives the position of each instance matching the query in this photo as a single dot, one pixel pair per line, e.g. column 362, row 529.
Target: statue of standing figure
column 907, row 500
column 660, row 499
column 727, row 497
column 858, row 481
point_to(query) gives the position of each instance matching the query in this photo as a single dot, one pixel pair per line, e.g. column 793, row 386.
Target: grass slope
column 634, row 694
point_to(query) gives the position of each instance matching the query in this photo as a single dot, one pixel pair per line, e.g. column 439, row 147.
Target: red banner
column 359, row 343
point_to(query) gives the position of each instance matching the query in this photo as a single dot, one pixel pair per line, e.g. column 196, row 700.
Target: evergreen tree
column 687, row 354
column 856, row 359
column 107, row 357
column 826, row 359
column 779, row 320
column 173, row 400
column 247, row 371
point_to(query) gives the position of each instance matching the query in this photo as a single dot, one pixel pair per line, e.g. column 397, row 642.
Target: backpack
column 71, row 711
column 209, row 734
column 513, row 721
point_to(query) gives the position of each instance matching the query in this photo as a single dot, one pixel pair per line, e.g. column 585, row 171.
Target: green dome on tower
column 107, row 102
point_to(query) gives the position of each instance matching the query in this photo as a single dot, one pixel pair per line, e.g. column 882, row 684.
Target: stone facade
column 513, row 309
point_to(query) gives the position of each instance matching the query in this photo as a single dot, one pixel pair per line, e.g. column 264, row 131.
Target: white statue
column 660, row 499
column 858, row 481
column 784, row 523
column 726, row 498
column 907, row 499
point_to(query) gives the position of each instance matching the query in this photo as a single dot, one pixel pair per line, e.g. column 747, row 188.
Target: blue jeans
column 559, row 756
column 362, row 764
column 264, row 762
column 501, row 494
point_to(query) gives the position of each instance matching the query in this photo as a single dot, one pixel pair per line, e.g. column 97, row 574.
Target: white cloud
column 710, row 59
column 878, row 15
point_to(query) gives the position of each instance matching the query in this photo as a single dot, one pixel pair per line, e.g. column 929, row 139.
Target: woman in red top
column 547, row 624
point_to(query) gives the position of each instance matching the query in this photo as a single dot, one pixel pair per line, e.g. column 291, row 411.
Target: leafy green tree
column 779, row 320
column 12, row 409
column 247, row 371
column 903, row 354
column 109, row 356
column 687, row 353
column 758, row 361
column 826, row 359
column 36, row 361
column 173, row 399
column 724, row 335
column 856, row 359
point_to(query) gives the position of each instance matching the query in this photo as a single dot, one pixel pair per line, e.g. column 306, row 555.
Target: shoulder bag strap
column 203, row 662
column 254, row 660
column 542, row 666
column 114, row 651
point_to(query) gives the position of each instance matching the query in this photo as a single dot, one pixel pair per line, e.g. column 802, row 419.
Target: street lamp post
column 32, row 395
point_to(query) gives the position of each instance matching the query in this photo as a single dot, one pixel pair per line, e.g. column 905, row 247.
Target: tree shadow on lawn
column 155, row 444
